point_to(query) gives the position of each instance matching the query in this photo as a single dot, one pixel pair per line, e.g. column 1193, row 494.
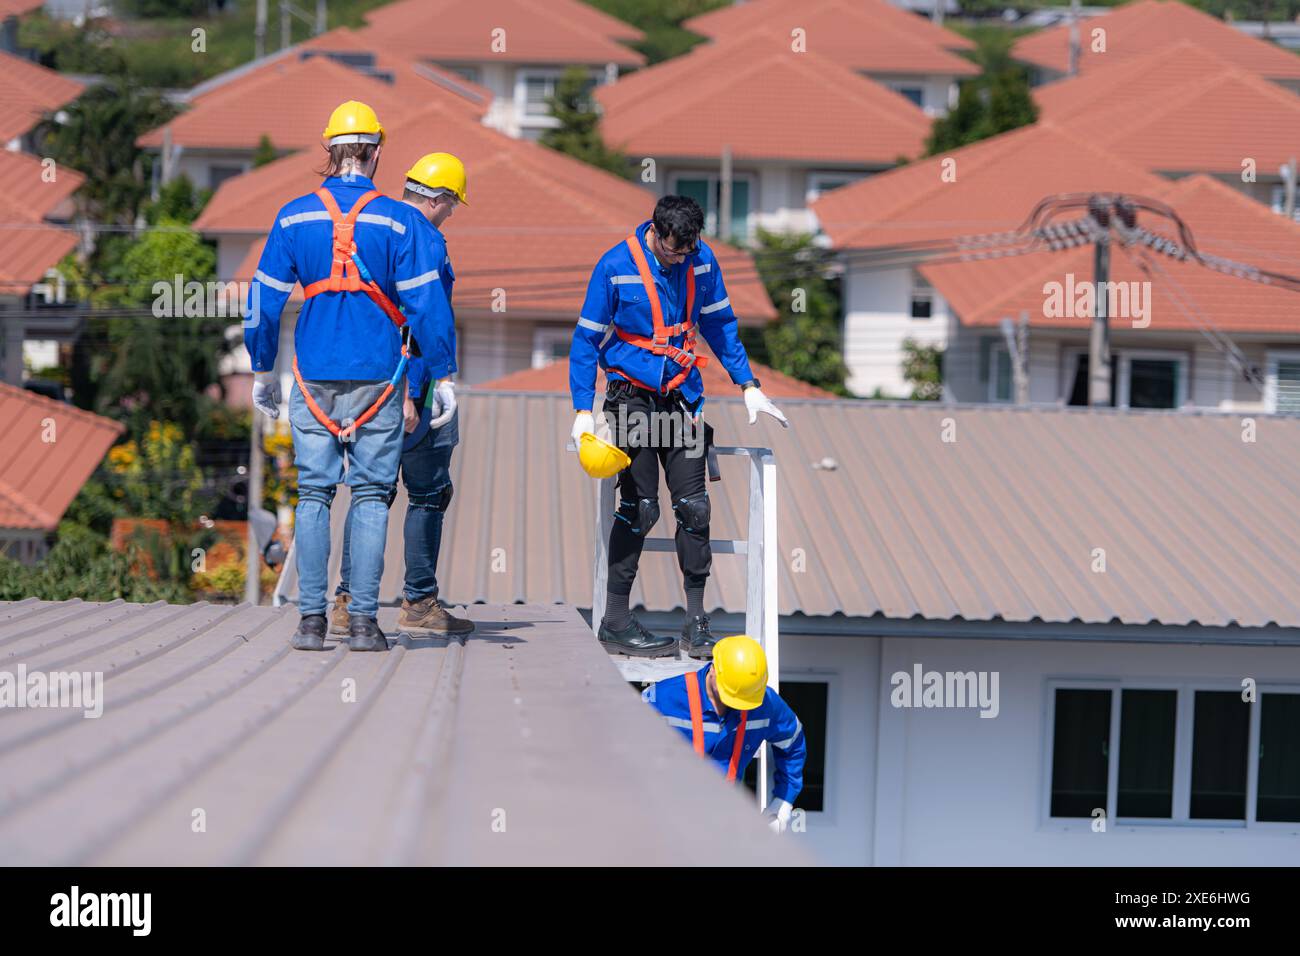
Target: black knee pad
column 374, row 491
column 639, row 515
column 693, row 511
column 323, row 494
column 431, row 500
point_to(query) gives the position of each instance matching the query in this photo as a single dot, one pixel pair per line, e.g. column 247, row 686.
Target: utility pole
column 724, row 198
column 937, row 16
column 286, row 26
column 320, row 17
column 1099, row 383
column 253, row 571
column 1074, row 38
column 259, row 31
column 1016, row 337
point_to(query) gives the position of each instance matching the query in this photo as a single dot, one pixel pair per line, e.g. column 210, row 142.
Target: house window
column 1279, row 202
column 1139, row 379
column 1282, row 383
column 821, row 183
column 913, row 93
column 1175, row 755
column 465, row 72
column 922, row 297
column 706, row 190
column 1001, row 381
column 219, row 174
column 539, row 87
column 808, row 699
column 550, row 344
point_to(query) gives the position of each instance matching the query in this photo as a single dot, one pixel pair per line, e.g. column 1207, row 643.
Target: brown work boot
column 339, row 617
column 428, row 615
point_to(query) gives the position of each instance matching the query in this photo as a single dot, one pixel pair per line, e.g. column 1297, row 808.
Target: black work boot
column 697, row 640
column 310, row 635
column 364, row 635
column 635, row 640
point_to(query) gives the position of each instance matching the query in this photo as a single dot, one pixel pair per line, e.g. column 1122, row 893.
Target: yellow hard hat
column 438, row 171
column 599, row 458
column 354, row 122
column 740, row 670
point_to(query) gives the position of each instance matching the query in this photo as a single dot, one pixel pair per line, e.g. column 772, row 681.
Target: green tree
column 994, row 102
column 265, row 152
column 178, row 201
column 661, row 23
column 96, row 135
column 804, row 341
column 923, row 370
column 578, row 134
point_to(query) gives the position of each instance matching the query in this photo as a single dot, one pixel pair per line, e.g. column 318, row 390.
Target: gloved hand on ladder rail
column 266, row 393
column 778, row 816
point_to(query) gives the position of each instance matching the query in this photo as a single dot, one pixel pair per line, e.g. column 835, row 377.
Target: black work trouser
column 656, row 430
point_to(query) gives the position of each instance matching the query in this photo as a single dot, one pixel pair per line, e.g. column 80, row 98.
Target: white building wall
column 877, row 320
column 938, row 93
column 955, row 788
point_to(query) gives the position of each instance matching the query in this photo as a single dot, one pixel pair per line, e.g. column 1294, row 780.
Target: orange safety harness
column 697, row 726
column 349, row 274
column 659, row 343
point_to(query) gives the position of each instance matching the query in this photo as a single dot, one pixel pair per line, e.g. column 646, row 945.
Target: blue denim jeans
column 372, row 457
column 426, row 473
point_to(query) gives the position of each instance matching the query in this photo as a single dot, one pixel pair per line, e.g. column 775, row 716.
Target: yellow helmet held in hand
column 740, row 670
column 599, row 458
column 353, row 122
column 438, row 171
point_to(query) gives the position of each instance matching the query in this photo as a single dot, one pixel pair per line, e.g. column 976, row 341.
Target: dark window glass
column 808, row 701
column 1146, row 753
column 1220, row 736
column 1279, row 758
column 1080, row 752
column 1153, row 383
column 1079, row 392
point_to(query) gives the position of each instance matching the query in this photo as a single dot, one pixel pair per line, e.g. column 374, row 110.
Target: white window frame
column 828, row 815
column 898, row 86
column 920, row 284
column 817, row 177
column 1124, row 371
column 1276, row 198
column 711, row 215
column 544, row 338
column 1272, row 359
column 1183, row 740
column 524, row 74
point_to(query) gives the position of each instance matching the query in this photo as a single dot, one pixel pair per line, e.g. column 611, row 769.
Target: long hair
column 343, row 154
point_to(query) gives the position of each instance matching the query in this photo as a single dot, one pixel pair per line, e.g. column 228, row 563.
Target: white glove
column 583, row 423
column 443, row 401
column 756, row 401
column 266, row 393
column 779, row 816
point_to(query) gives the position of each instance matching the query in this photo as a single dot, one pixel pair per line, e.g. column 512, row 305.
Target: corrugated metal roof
column 522, row 746
column 53, row 448
column 1002, row 523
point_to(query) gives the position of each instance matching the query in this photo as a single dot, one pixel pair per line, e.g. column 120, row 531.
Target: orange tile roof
column 288, row 100
column 764, row 101
column 29, row 245
column 1181, row 108
column 28, row 91
column 16, row 8
column 1140, row 27
column 847, row 20
column 554, row 377
column 39, row 478
column 537, row 223
column 558, row 32
column 1223, row 222
column 998, row 182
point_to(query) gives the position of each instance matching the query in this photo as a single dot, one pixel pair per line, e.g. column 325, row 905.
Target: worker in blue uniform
column 727, row 711
column 646, row 300
column 365, row 276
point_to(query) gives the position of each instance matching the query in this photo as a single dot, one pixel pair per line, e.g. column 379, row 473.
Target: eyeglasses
column 695, row 247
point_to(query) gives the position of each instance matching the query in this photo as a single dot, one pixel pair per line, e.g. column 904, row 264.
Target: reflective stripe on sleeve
column 716, row 306
column 403, row 284
column 262, row 277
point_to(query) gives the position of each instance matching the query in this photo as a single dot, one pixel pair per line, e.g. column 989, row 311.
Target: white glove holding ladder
column 756, row 401
column 778, row 816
